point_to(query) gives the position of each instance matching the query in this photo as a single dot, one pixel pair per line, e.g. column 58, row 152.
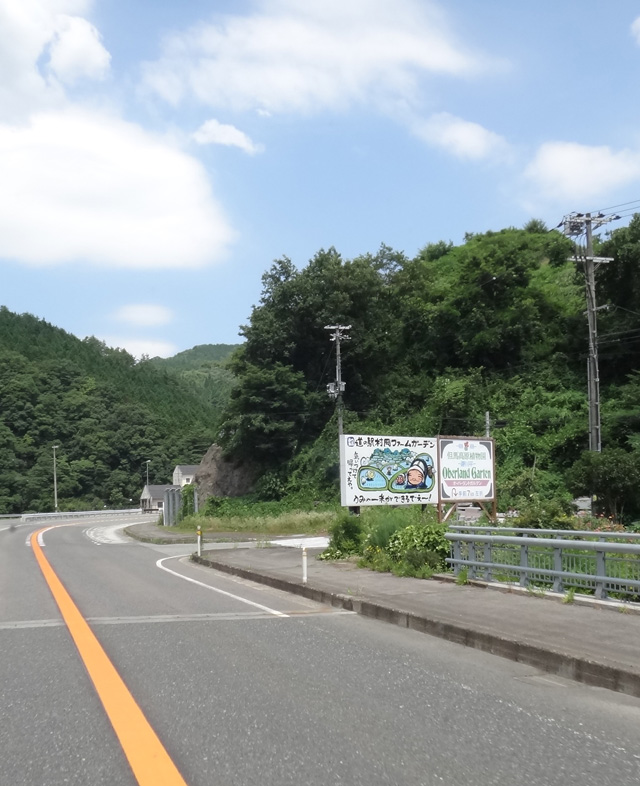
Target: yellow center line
column 149, row 761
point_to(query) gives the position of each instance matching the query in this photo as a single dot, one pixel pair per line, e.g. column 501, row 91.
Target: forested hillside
column 205, row 369
column 496, row 324
column 107, row 414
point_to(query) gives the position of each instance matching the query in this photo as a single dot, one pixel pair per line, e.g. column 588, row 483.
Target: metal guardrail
column 556, row 563
column 567, row 534
column 77, row 514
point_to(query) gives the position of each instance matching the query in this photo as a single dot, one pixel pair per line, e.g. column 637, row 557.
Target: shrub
column 346, row 536
column 538, row 513
column 422, row 538
column 378, row 537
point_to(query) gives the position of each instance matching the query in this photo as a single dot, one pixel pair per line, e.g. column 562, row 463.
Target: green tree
column 613, row 476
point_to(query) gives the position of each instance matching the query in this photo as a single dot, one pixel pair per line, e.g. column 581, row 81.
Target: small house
column 152, row 497
column 184, row 474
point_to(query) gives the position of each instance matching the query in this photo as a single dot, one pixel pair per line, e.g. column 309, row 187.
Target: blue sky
column 156, row 157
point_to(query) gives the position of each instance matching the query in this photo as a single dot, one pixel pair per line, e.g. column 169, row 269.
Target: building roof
column 188, row 469
column 156, row 492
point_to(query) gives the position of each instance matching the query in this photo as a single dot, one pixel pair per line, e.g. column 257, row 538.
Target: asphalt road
column 276, row 690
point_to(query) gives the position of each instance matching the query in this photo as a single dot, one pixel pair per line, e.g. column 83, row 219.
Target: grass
column 288, row 523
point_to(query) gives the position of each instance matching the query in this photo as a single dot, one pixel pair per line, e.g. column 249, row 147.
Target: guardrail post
column 601, row 570
column 558, row 585
column 472, row 558
column 524, row 563
column 487, row 560
column 457, row 555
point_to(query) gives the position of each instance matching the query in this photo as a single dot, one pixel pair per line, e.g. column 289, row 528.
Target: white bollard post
column 304, row 564
column 199, row 533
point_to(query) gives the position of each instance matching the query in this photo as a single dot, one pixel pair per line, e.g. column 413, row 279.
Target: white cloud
column 76, row 51
column 461, row 138
column 91, row 188
column 635, row 29
column 214, row 133
column 565, row 171
column 31, row 33
column 144, row 314
column 310, row 55
column 141, row 346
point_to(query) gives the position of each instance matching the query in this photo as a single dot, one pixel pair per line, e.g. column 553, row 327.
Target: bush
column 538, row 513
column 427, row 540
column 380, row 533
column 346, row 536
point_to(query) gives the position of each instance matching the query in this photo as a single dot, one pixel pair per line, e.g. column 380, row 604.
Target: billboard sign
column 388, row 470
column 467, row 470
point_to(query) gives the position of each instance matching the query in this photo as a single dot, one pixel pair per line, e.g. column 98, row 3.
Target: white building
column 152, row 498
column 184, row 474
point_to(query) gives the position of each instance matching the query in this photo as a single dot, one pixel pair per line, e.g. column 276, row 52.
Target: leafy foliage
column 496, row 324
column 416, row 540
column 106, row 413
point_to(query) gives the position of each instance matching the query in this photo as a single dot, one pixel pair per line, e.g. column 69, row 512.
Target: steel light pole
column 55, row 481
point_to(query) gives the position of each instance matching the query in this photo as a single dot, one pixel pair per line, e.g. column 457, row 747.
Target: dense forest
column 205, row 369
column 494, row 325
column 107, row 413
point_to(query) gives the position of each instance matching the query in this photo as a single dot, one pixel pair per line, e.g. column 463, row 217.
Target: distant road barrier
column 77, row 514
column 553, row 561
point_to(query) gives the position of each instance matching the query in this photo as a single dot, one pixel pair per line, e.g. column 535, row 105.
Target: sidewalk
column 592, row 645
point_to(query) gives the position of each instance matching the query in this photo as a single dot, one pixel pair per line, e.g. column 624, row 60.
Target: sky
column 157, row 156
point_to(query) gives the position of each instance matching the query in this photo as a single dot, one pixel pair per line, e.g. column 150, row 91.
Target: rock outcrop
column 217, row 476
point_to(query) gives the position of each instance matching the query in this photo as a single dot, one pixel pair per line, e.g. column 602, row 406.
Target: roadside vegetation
column 248, row 515
column 402, row 541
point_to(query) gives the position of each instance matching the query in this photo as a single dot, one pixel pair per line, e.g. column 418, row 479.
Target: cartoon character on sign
column 419, row 475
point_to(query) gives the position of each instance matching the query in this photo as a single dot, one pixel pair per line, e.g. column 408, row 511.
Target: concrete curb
column 579, row 669
column 158, row 540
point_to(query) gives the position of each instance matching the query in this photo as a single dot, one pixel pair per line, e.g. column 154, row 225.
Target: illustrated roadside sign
column 467, row 469
column 388, row 470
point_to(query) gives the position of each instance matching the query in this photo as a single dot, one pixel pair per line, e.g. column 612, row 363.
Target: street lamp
column 55, row 481
column 147, row 462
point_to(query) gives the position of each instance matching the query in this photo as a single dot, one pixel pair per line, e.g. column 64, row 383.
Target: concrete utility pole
column 55, row 481
column 577, row 224
column 336, row 389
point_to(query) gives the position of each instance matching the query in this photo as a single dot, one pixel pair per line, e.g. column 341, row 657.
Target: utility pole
column 55, row 481
column 147, row 462
column 576, row 224
column 336, row 389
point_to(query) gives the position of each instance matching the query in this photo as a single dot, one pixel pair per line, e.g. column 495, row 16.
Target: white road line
column 108, row 535
column 298, row 543
column 215, row 589
column 54, row 526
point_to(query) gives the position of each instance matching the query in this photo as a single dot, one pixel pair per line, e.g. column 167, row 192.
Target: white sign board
column 466, row 469
column 388, row 470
